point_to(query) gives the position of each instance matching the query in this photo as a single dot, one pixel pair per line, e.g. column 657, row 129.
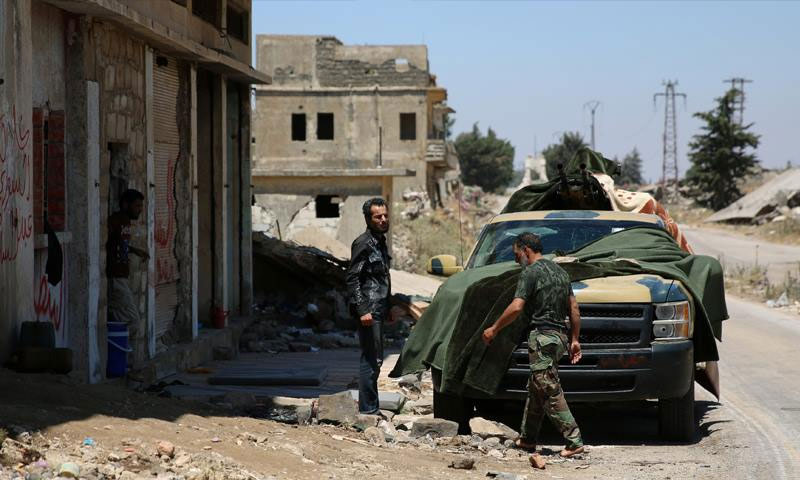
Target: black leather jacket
column 369, row 284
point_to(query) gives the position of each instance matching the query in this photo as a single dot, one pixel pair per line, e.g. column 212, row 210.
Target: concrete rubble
column 31, row 456
column 775, row 201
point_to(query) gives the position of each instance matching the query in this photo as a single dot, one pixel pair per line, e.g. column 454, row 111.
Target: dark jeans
column 371, row 341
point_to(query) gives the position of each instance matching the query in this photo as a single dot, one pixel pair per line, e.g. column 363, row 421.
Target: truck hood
column 645, row 288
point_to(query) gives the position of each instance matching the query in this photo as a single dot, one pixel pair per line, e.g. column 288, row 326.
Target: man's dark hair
column 530, row 240
column 372, row 202
column 129, row 196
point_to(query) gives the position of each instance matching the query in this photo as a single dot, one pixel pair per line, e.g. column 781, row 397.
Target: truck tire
column 454, row 408
column 676, row 421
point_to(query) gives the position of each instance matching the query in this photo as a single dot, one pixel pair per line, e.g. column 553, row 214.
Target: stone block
column 487, row 429
column 375, row 436
column 435, row 427
column 339, row 408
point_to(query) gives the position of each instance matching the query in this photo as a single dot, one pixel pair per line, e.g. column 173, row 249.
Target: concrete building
column 341, row 123
column 97, row 96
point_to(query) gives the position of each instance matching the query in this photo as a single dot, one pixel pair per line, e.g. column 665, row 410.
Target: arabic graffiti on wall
column 16, row 218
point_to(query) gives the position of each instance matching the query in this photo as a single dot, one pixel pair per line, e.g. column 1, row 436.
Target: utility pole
column 737, row 83
column 592, row 106
column 669, row 166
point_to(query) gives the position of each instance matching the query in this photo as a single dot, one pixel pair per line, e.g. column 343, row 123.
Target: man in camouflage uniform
column 544, row 297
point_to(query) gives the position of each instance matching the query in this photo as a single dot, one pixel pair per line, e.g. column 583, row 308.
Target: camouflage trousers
column 545, row 396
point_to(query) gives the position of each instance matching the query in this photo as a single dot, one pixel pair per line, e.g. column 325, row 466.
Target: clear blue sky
column 527, row 68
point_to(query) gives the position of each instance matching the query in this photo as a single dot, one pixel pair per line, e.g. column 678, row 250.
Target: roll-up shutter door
column 165, row 156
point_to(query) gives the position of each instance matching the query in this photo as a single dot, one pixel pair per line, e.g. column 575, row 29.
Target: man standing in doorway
column 369, row 287
column 545, row 299
column 122, row 305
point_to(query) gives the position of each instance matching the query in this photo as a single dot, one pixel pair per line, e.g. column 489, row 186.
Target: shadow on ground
column 39, row 401
column 618, row 423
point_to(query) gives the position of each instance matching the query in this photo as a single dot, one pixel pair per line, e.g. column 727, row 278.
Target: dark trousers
column 371, row 342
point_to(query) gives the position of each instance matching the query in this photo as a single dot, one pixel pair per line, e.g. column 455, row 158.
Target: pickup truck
column 636, row 330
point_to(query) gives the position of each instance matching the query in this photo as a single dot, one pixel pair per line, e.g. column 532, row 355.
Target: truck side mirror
column 444, row 265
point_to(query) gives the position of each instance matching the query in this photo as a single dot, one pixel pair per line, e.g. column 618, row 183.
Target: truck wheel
column 454, row 408
column 676, row 420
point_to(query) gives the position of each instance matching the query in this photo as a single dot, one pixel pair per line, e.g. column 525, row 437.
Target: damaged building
column 98, row 96
column 339, row 124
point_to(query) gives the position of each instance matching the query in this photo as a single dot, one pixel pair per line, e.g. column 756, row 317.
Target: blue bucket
column 117, row 349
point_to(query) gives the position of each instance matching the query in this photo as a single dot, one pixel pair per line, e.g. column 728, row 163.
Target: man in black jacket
column 369, row 287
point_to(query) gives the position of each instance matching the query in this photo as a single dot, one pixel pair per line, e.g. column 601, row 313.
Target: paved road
column 738, row 250
column 760, row 371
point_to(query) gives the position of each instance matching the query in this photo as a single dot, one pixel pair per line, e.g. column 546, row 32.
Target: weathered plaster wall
column 318, row 61
column 47, row 26
column 290, row 59
column 16, row 175
column 357, row 142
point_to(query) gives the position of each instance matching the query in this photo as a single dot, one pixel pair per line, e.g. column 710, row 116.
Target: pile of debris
column 31, row 455
column 775, row 201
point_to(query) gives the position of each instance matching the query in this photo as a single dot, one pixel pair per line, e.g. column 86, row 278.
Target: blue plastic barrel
column 117, row 349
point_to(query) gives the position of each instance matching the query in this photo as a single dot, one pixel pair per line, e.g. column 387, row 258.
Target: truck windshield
column 496, row 241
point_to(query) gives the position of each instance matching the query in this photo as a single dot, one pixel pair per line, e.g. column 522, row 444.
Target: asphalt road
column 760, row 376
column 737, row 250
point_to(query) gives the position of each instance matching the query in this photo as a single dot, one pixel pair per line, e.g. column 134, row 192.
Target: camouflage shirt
column 546, row 289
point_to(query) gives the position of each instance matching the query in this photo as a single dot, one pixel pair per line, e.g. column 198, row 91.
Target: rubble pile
column 32, row 456
column 775, row 201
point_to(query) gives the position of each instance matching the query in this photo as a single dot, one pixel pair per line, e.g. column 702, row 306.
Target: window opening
column 237, row 24
column 324, row 126
column 327, row 206
column 208, row 10
column 299, row 127
column 408, row 126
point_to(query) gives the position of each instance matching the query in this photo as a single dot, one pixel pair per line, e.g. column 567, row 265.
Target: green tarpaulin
column 448, row 336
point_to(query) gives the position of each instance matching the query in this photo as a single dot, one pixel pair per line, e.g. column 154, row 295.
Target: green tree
column 486, row 160
column 719, row 155
column 631, row 169
column 561, row 153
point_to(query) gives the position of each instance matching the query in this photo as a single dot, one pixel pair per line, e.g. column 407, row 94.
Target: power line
column 737, row 84
column 669, row 165
column 592, row 106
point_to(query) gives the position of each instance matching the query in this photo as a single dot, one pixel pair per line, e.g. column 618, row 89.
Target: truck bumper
column 665, row 370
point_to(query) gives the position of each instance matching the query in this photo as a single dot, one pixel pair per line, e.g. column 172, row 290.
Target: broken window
column 327, row 206
column 299, row 127
column 237, row 24
column 324, row 126
column 408, row 126
column 208, row 10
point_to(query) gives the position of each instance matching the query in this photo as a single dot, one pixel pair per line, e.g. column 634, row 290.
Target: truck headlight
column 672, row 321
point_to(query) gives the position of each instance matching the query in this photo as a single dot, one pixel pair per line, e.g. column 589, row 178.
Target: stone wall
column 334, row 70
column 120, row 71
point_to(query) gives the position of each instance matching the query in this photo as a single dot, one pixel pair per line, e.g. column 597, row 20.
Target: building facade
column 347, row 121
column 98, row 96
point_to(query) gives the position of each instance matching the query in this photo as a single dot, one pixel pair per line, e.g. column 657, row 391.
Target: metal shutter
column 165, row 156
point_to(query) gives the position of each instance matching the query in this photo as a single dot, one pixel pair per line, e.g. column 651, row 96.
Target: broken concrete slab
column 761, row 200
column 435, row 427
column 251, row 377
column 487, row 429
column 338, row 408
column 392, row 401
